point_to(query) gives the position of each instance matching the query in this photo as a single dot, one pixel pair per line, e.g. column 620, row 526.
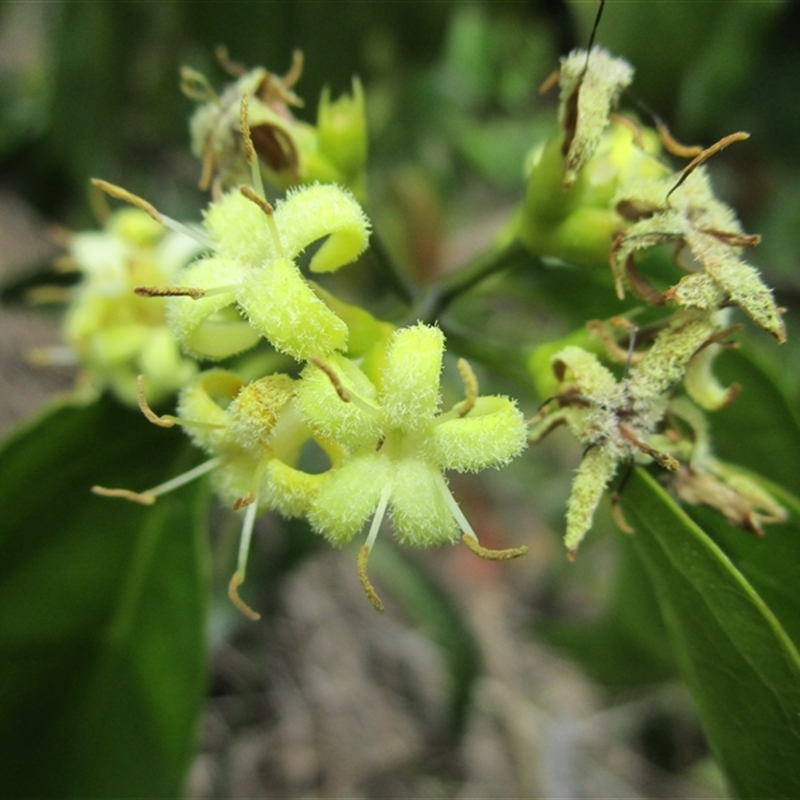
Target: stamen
column 672, row 145
column 664, row 460
column 269, row 212
column 621, row 119
column 549, row 82
column 344, row 395
column 169, row 291
column 469, row 537
column 137, row 497
column 470, row 387
column 166, row 420
column 149, row 496
column 234, row 68
column 294, row 73
column 243, row 501
column 369, row 589
column 237, row 579
column 701, row 158
column 249, row 148
column 493, row 555
column 123, row 194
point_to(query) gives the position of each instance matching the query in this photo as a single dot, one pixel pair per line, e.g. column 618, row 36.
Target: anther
column 493, row 555
column 366, row 585
column 169, row 291
column 144, row 498
column 470, row 387
column 123, row 194
column 237, row 579
column 167, row 421
column 702, row 157
column 344, row 395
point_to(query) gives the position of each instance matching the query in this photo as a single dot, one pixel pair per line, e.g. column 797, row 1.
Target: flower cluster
column 368, row 398
column 620, row 198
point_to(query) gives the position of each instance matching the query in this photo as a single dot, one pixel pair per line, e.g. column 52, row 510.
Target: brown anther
column 144, row 407
column 631, row 126
column 672, row 145
column 256, row 198
column 571, row 554
column 244, row 127
column 470, row 387
column 366, row 585
column 295, row 72
column 237, row 579
column 169, row 291
column 701, row 158
column 493, row 555
column 664, row 460
column 243, row 501
column 549, row 82
column 344, row 395
column 734, row 238
column 234, row 68
column 126, row 494
column 128, row 197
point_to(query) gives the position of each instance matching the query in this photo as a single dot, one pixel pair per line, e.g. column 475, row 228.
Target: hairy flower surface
column 683, row 209
column 400, row 444
column 616, row 419
column 590, row 84
column 252, row 271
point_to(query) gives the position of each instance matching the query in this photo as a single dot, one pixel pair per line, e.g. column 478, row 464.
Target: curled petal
column 347, row 422
column 312, row 212
column 282, row 307
column 591, row 377
column 239, row 230
column 491, row 435
column 288, row 490
column 349, row 496
column 209, row 327
column 205, row 400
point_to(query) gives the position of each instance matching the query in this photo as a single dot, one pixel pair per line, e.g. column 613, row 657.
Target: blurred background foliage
column 91, row 89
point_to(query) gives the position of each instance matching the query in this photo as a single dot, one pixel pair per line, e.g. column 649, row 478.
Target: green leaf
column 737, row 660
column 103, row 663
column 627, row 645
column 769, row 563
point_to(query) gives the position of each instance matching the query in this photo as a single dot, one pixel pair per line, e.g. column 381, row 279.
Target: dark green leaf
column 737, row 660
column 103, row 667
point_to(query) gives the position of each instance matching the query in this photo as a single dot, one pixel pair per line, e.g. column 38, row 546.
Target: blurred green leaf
column 103, row 663
column 737, row 660
column 628, row 644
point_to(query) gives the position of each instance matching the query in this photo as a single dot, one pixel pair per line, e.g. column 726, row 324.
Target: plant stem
column 441, row 294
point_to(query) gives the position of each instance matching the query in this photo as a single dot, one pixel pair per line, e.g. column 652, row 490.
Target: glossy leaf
column 736, row 659
column 103, row 668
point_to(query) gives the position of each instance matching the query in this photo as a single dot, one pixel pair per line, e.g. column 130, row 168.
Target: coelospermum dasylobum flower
column 369, row 397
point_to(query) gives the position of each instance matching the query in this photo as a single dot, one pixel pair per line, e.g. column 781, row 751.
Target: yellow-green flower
column 114, row 334
column 400, row 444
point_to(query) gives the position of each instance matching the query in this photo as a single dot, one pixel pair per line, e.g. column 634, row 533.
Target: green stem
column 510, row 362
column 441, row 294
column 398, row 281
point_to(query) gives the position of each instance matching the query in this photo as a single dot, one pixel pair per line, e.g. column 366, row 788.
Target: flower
column 290, row 151
column 113, row 334
column 616, row 419
column 399, row 445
